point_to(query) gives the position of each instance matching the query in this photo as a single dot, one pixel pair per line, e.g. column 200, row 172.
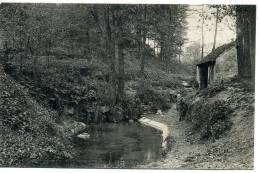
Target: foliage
column 29, row 132
column 42, row 40
column 81, row 30
column 211, row 119
column 194, row 83
column 193, row 53
column 132, row 108
column 156, row 100
column 95, row 33
column 224, row 10
column 212, row 90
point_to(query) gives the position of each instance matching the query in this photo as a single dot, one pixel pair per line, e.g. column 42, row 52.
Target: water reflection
column 117, row 145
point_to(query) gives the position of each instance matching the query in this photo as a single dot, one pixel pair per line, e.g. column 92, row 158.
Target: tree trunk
column 111, row 49
column 246, row 40
column 143, row 55
column 180, row 56
column 121, row 74
column 202, row 33
column 216, row 30
column 30, row 53
column 20, row 47
column 48, row 54
column 143, row 33
column 154, row 48
column 6, row 52
column 252, row 31
column 162, row 50
column 35, row 72
column 109, row 44
column 139, row 49
column 119, row 56
column 116, row 58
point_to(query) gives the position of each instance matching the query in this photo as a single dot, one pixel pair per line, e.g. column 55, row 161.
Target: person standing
column 181, row 107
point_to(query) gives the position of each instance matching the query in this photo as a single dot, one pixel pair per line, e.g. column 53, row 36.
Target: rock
column 84, row 136
column 159, row 126
column 68, row 110
column 104, row 109
column 189, row 159
column 145, row 108
column 116, row 114
column 75, row 128
column 185, row 84
column 131, row 121
column 159, row 112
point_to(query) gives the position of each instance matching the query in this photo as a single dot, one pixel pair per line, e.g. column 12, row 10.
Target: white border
column 257, row 92
column 140, row 1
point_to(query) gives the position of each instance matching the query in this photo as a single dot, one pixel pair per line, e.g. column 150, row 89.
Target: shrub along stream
column 86, row 98
column 210, row 117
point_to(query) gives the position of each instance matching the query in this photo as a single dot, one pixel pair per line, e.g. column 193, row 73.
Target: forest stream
column 111, row 145
column 153, row 86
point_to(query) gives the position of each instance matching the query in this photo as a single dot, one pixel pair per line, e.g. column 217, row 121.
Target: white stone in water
column 159, row 126
column 185, row 84
column 74, row 128
column 131, row 121
column 159, row 112
column 84, row 136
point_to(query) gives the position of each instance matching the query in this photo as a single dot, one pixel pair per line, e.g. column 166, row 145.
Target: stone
column 116, row 114
column 159, row 126
column 84, row 136
column 104, row 109
column 75, row 128
column 185, row 84
column 131, row 121
column 159, row 112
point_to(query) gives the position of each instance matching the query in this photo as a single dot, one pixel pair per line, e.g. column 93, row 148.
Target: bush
column 156, row 100
column 213, row 89
column 132, row 108
column 211, row 119
column 194, row 84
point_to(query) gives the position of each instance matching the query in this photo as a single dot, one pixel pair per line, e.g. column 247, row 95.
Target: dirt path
column 234, row 150
column 182, row 151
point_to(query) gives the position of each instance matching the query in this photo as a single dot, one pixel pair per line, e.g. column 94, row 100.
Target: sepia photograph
column 127, row 86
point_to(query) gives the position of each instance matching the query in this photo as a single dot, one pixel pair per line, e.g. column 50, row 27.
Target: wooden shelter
column 206, row 67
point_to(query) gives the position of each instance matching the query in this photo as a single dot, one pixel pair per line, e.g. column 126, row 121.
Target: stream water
column 111, row 145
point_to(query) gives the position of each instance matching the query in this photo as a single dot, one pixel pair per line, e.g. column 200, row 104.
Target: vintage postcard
column 157, row 86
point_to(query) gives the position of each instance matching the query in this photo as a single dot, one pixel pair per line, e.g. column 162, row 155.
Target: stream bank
column 163, row 128
column 59, row 96
column 233, row 150
column 32, row 138
column 29, row 133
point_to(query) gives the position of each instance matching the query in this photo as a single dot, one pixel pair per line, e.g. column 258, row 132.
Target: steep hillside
column 81, row 88
column 29, row 135
column 233, row 149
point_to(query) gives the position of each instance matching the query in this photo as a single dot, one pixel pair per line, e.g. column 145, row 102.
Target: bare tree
column 202, row 33
column 216, row 29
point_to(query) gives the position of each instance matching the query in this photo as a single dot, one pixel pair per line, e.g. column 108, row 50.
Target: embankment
column 29, row 134
column 159, row 126
column 234, row 149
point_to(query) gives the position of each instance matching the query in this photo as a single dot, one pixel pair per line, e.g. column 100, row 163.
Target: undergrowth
column 211, row 119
